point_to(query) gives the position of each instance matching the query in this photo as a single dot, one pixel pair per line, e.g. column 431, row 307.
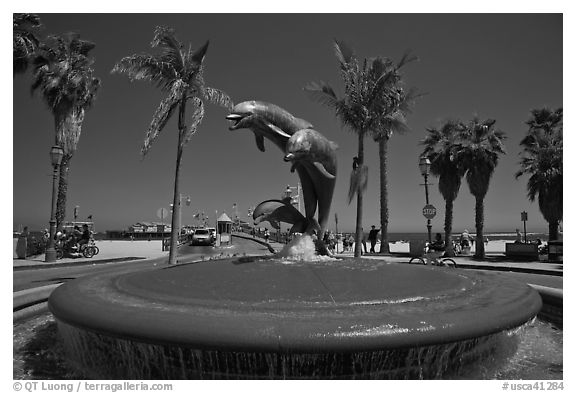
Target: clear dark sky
column 493, row 66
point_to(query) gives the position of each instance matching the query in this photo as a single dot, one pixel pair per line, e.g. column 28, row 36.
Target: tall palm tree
column 440, row 146
column 366, row 85
column 179, row 73
column 542, row 160
column 479, row 148
column 394, row 107
column 63, row 72
column 24, row 41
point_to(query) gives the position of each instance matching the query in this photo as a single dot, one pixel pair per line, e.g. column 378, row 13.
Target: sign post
column 524, row 217
column 429, row 211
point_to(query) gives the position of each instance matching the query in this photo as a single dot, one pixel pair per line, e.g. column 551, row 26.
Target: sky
column 497, row 66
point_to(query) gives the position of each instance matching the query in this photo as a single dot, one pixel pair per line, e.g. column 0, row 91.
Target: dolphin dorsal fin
column 260, row 142
column 323, row 170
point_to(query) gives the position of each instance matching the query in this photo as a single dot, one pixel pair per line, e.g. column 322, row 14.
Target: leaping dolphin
column 314, row 157
column 274, row 210
column 266, row 120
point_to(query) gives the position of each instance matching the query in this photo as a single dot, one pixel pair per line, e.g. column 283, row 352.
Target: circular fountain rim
column 110, row 305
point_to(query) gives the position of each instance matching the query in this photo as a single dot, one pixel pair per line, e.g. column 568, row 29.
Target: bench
column 522, row 251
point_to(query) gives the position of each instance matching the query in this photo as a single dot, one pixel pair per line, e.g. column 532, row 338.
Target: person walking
column 266, row 235
column 373, row 237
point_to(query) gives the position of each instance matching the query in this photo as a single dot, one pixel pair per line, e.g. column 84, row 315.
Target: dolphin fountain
column 273, row 318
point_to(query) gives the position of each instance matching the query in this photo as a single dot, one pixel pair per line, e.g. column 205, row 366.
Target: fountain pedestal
column 280, row 319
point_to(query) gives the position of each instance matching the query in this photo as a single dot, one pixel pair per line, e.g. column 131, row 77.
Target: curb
column 31, row 302
column 512, row 269
column 79, row 263
column 552, row 303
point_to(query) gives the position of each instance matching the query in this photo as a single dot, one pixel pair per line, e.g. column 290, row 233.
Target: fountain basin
column 286, row 319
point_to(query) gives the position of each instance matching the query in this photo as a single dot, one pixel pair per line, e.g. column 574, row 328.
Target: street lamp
column 56, row 154
column 424, row 166
column 288, row 193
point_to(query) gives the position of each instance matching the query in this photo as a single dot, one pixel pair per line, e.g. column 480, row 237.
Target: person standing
column 22, row 244
column 266, row 235
column 518, row 236
column 373, row 237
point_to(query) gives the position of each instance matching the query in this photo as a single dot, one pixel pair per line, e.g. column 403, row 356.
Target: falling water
column 104, row 357
column 301, row 248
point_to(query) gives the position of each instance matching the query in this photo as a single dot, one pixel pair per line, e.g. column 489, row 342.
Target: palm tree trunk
column 383, row 155
column 175, row 233
column 359, row 198
column 448, row 218
column 479, row 228
column 552, row 230
column 62, row 191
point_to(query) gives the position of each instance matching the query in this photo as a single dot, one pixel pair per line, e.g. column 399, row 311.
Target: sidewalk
column 491, row 262
column 110, row 251
column 126, row 250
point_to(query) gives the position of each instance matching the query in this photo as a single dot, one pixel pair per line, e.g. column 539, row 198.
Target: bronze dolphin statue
column 274, row 210
column 266, row 120
column 269, row 121
column 313, row 155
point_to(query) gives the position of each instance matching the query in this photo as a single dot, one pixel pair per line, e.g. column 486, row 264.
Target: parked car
column 202, row 237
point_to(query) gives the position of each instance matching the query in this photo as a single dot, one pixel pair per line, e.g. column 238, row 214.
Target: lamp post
column 424, row 166
column 288, row 193
column 56, row 154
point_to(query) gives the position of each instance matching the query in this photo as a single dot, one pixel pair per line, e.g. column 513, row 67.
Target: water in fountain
column 301, row 248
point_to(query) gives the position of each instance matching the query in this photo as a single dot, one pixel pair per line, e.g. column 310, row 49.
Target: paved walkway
column 123, row 250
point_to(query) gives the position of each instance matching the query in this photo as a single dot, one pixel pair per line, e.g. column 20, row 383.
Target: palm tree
column 63, row 73
column 440, row 146
column 542, row 160
column 179, row 73
column 366, row 86
column 479, row 149
column 24, row 41
column 394, row 107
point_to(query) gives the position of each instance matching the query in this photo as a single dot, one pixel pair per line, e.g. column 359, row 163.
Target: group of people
column 76, row 238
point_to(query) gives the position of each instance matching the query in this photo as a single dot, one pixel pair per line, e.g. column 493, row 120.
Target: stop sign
column 429, row 211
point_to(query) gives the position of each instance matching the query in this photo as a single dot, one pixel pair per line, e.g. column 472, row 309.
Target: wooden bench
column 522, row 251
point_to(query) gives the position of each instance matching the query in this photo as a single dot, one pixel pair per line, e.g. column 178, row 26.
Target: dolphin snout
column 289, row 157
column 235, row 118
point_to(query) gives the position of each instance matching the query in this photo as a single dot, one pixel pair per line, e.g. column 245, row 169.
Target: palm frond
column 165, row 40
column 162, row 115
column 147, row 67
column 197, row 117
column 322, row 93
column 343, row 52
column 217, row 97
column 407, row 57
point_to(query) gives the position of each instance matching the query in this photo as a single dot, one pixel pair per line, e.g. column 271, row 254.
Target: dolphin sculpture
column 317, row 171
column 315, row 155
column 274, row 210
column 266, row 120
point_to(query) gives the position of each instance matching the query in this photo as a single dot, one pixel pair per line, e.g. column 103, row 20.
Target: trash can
column 555, row 250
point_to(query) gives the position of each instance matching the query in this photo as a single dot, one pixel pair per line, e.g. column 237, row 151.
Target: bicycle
column 89, row 249
column 433, row 257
